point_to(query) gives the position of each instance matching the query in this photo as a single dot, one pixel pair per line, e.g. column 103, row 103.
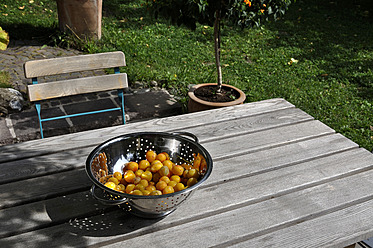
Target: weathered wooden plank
column 44, row 165
column 255, row 188
column 259, row 162
column 343, row 228
column 174, row 123
column 218, row 149
column 231, row 146
column 210, row 211
column 40, row 188
column 46, row 67
column 45, row 91
column 255, row 162
column 223, row 230
column 48, row 212
column 249, row 124
column 76, row 158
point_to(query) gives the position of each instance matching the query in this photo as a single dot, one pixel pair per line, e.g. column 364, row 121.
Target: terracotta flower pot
column 196, row 104
column 83, row 17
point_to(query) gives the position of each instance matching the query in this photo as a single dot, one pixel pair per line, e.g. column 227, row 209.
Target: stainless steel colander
column 133, row 147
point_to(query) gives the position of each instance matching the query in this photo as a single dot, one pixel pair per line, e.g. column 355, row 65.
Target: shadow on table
column 93, row 219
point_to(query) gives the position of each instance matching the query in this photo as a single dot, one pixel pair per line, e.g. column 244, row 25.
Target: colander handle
column 187, row 134
column 106, row 201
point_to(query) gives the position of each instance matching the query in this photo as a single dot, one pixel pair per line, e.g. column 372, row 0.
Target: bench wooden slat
column 47, row 67
column 77, row 86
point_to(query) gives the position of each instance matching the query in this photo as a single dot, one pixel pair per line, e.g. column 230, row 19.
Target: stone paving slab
column 152, row 104
column 93, row 121
column 5, row 134
column 26, row 124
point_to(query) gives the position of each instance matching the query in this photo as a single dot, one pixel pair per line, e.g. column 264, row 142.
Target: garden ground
column 319, row 56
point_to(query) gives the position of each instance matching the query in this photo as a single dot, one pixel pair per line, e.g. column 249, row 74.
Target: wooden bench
column 50, row 90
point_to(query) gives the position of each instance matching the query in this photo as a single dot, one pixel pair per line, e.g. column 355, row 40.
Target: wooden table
column 280, row 179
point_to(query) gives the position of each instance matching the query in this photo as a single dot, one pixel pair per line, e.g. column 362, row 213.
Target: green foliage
column 244, row 13
column 4, row 39
column 4, row 80
column 319, row 56
column 29, row 19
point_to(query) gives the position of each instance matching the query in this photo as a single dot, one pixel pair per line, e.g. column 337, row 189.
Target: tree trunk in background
column 82, row 17
column 217, row 49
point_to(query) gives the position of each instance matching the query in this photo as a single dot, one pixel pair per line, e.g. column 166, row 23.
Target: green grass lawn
column 319, row 56
column 4, row 80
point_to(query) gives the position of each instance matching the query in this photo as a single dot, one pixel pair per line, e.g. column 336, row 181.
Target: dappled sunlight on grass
column 319, row 56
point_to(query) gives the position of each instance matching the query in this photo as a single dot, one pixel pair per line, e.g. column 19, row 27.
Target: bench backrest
column 50, row 90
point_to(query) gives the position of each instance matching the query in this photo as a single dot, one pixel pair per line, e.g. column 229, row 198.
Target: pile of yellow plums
column 155, row 175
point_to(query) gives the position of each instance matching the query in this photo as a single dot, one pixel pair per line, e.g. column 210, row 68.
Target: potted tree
column 244, row 13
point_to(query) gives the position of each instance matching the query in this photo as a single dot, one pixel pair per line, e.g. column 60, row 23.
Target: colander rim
column 106, row 143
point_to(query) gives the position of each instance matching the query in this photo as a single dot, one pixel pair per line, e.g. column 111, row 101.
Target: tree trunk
column 217, row 49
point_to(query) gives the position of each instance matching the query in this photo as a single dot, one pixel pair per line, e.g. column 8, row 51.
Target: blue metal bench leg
column 121, row 98
column 38, row 109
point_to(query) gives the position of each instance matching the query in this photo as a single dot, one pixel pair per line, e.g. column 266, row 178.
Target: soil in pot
column 208, row 93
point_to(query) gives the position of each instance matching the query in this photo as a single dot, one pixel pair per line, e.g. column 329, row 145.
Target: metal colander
column 133, row 147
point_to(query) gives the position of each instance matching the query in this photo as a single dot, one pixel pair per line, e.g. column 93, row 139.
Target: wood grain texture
column 43, row 213
column 259, row 162
column 47, row 67
column 280, row 179
column 39, row 188
column 51, row 90
column 344, row 227
column 263, row 165
column 225, row 207
column 70, row 159
column 174, row 123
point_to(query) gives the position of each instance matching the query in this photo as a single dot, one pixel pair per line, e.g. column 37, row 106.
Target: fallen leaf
column 21, row 7
column 31, row 1
column 292, row 61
